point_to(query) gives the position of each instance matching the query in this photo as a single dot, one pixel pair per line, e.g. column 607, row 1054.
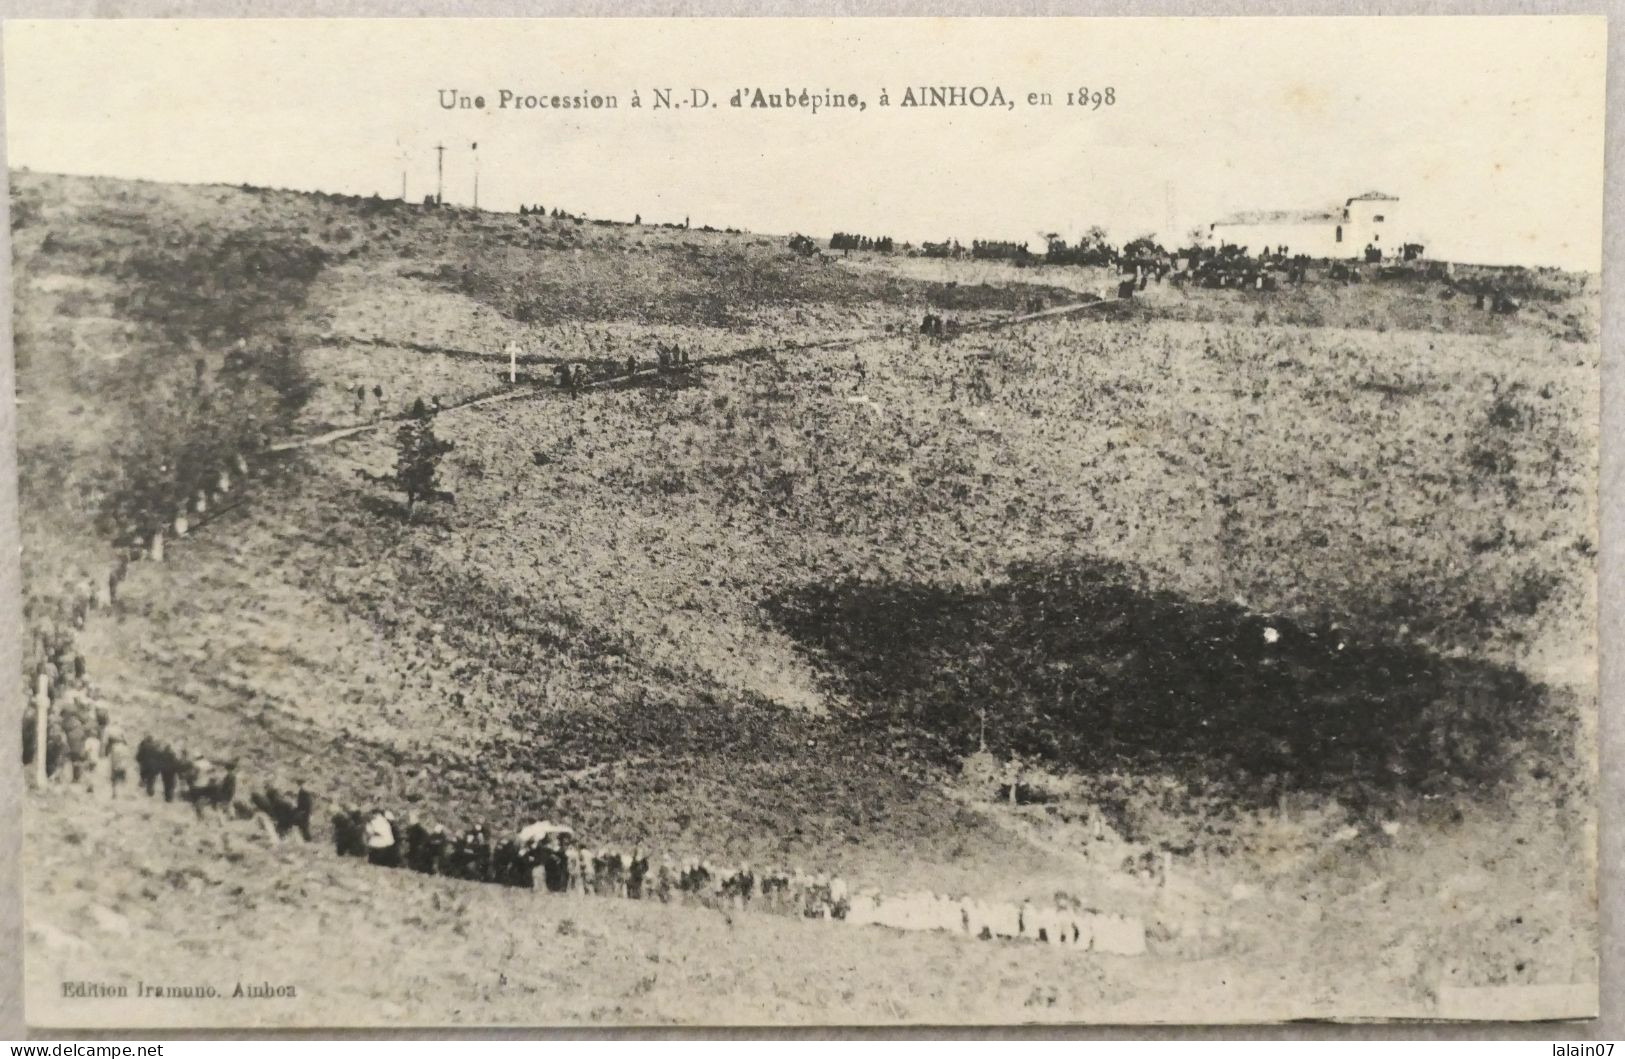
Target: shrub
column 417, row 457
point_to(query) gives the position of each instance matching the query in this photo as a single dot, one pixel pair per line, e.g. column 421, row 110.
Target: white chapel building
column 1372, row 219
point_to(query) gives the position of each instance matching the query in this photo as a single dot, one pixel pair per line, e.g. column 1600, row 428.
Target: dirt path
column 610, row 382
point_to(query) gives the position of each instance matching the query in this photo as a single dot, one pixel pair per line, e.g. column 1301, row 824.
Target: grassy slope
column 601, row 613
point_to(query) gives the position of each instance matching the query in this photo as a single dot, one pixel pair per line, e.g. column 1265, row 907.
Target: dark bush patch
column 1084, row 666
column 204, row 286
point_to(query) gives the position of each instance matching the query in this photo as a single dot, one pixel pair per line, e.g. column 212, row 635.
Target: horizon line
column 713, row 227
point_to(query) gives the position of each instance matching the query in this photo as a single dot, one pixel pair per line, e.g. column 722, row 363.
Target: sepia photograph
column 807, row 522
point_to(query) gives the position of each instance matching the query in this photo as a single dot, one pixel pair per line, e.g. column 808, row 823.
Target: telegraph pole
column 476, row 149
column 439, row 174
column 405, row 158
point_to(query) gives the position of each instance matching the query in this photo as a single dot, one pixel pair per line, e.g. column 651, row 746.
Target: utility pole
column 439, row 174
column 476, row 149
column 403, row 156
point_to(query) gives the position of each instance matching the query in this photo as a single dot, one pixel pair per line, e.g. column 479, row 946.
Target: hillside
column 1295, row 593
column 176, row 903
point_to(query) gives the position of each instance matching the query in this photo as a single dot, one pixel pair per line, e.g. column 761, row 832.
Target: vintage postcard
column 807, row 522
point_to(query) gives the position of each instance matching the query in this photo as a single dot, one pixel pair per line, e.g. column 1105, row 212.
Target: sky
column 1490, row 130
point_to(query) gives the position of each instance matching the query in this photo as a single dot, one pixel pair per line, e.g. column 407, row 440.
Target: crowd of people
column 82, row 744
column 548, row 856
column 668, row 358
column 852, row 241
column 571, row 377
column 84, row 747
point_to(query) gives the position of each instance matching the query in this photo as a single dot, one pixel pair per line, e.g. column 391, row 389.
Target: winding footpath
column 337, row 434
